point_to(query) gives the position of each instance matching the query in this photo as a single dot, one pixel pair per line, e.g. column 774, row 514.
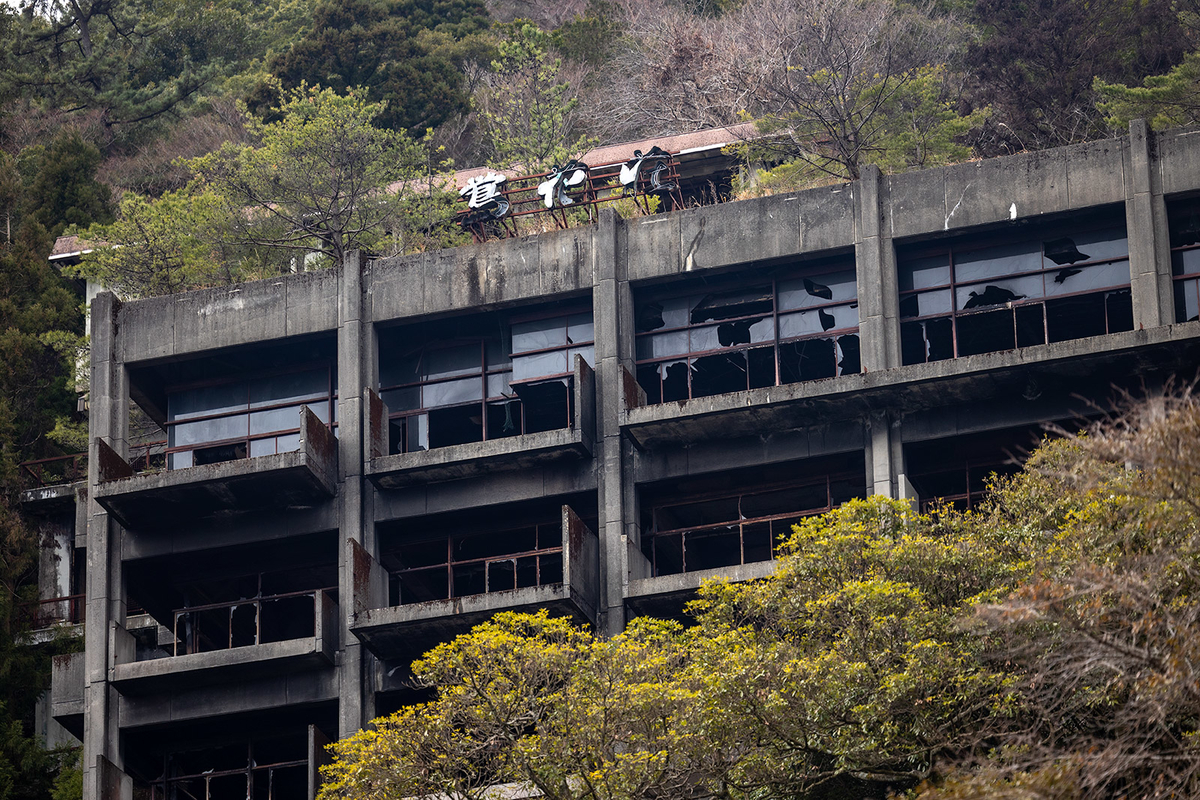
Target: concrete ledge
column 1168, row 349
column 666, row 595
column 274, row 692
column 299, row 479
column 62, row 494
column 411, row 630
column 238, row 663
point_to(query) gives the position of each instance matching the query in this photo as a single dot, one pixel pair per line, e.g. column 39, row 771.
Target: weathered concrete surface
column 666, row 595
column 298, row 479
column 962, row 380
column 66, row 692
column 272, row 693
column 239, row 663
column 276, row 308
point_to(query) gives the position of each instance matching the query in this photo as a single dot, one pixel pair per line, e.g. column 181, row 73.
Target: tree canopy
column 1043, row 647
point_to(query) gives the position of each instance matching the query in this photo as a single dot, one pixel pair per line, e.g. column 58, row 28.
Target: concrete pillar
column 612, row 311
column 105, row 600
column 1149, row 238
column 875, row 264
column 884, row 454
column 355, row 369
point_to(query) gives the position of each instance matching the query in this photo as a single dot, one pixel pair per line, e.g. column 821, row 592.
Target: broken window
column 702, row 523
column 1184, row 222
column 246, row 610
column 729, row 337
column 246, row 417
column 274, row 768
column 495, row 378
column 973, row 296
column 470, row 563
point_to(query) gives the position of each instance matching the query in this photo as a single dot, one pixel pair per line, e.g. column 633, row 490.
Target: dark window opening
column 268, row 769
column 973, row 296
column 244, row 611
column 483, row 378
column 956, row 472
column 473, row 562
column 1183, row 220
column 728, row 338
column 702, row 523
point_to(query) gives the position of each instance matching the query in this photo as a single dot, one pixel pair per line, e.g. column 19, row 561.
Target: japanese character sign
column 483, row 194
column 656, row 161
column 554, row 189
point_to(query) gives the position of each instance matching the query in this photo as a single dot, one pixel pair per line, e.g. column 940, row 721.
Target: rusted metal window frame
column 190, row 641
column 553, row 529
column 815, row 272
column 329, row 397
column 160, row 788
column 1182, row 281
column 649, row 538
column 973, row 244
column 486, row 371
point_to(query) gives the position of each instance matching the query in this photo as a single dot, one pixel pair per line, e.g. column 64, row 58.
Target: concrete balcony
column 410, row 630
column 301, row 478
column 477, row 458
column 235, row 664
column 666, row 595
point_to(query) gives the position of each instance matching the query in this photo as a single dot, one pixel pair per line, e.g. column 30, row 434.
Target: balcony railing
column 247, row 622
column 44, row 613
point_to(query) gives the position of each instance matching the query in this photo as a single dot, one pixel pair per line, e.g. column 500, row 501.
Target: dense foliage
column 1045, row 647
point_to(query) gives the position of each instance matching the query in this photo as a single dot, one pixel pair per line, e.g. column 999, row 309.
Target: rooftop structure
column 362, row 462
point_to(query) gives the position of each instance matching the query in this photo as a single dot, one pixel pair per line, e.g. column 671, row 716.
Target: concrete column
column 356, row 703
column 875, row 264
column 612, row 311
column 884, row 454
column 105, row 601
column 1149, row 239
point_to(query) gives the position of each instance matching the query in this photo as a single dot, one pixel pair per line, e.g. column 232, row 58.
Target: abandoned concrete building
column 365, row 461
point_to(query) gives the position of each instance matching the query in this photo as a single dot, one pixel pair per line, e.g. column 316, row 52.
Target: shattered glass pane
column 849, row 355
column 1098, row 245
column 719, row 374
column 675, row 380
column 986, row 333
column 730, row 305
column 393, row 372
column 1070, row 280
column 805, row 292
column 991, row 262
column 1031, row 325
column 999, row 292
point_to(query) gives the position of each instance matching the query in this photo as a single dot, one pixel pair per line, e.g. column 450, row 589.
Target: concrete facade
column 337, row 512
